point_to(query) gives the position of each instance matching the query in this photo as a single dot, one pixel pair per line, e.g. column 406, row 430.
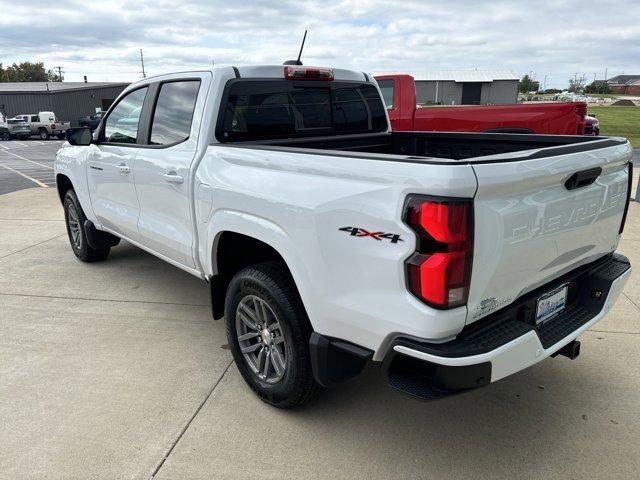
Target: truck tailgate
column 532, row 224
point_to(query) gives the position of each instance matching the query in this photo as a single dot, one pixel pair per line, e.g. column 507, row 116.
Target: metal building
column 465, row 87
column 68, row 100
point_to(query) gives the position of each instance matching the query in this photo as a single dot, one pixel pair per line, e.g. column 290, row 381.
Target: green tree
column 28, row 72
column 527, row 84
column 598, row 86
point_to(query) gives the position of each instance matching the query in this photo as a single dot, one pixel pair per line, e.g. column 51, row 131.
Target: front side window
column 174, row 112
column 122, row 123
column 265, row 109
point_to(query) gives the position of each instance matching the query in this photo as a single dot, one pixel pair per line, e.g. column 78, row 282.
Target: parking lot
column 117, row 370
column 26, row 164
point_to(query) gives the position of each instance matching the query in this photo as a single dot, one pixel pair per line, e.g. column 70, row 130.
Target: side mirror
column 79, row 136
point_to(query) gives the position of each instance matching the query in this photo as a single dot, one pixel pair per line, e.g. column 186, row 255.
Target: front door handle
column 124, row 168
column 173, row 177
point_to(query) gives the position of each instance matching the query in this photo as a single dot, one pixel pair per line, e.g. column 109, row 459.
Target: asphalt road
column 27, row 164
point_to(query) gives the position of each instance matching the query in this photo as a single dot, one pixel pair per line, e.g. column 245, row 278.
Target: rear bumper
column 507, row 341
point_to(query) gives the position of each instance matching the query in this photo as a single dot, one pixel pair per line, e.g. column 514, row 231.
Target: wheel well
column 235, row 252
column 63, row 185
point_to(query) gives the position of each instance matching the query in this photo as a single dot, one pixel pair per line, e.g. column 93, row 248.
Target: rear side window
column 265, row 109
column 386, row 87
column 174, row 112
column 35, row 118
column 122, row 123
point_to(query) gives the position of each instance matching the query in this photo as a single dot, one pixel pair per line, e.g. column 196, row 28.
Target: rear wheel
column 268, row 331
column 74, row 218
column 43, row 134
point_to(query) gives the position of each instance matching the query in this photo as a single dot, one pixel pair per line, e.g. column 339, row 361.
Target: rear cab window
column 386, row 88
column 276, row 108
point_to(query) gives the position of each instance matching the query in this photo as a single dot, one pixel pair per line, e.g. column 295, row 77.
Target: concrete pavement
column 116, row 370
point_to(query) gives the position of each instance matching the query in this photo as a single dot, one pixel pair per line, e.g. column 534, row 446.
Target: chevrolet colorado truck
column 452, row 260
column 550, row 118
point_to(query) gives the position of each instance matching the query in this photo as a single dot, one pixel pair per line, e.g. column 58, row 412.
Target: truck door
column 110, row 167
column 163, row 169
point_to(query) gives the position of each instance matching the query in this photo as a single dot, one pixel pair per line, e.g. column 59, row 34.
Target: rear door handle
column 173, row 177
column 124, row 168
column 583, row 178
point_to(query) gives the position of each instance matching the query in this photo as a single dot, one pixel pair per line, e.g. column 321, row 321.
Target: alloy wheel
column 261, row 339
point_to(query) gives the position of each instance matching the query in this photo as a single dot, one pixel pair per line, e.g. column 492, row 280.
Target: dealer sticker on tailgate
column 551, row 303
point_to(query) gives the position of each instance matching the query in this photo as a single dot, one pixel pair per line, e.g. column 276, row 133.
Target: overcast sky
column 101, row 39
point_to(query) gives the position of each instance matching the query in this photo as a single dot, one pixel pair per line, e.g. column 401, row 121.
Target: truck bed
column 425, row 146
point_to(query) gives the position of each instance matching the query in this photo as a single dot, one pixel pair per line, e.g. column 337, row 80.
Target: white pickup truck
column 451, row 259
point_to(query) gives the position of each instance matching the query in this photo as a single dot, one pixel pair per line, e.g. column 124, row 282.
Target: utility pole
column 144, row 75
column 544, row 85
column 59, row 73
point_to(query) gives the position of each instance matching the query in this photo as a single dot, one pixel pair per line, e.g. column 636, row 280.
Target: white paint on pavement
column 32, row 161
column 37, row 182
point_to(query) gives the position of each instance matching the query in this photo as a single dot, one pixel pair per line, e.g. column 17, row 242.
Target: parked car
column 556, row 118
column 452, row 260
column 18, row 128
column 91, row 121
column 45, row 125
column 5, row 134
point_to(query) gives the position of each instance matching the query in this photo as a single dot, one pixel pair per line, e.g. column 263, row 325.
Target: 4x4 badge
column 361, row 232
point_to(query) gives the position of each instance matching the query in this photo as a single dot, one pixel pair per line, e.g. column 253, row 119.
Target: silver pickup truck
column 45, row 125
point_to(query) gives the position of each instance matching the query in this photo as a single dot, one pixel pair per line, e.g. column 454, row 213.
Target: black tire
column 79, row 245
column 43, row 134
column 5, row 136
column 272, row 283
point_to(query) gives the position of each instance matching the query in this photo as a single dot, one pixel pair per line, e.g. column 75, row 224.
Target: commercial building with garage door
column 68, row 100
column 464, row 87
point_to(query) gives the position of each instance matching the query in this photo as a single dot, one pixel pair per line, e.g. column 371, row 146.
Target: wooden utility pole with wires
column 144, row 75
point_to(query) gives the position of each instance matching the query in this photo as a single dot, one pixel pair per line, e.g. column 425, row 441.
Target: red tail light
column 439, row 272
column 307, row 73
column 581, row 109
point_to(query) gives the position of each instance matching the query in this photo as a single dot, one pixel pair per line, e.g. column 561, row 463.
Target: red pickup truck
column 556, row 118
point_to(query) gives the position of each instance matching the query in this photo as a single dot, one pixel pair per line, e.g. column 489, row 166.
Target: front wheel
column 268, row 332
column 5, row 136
column 74, row 218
